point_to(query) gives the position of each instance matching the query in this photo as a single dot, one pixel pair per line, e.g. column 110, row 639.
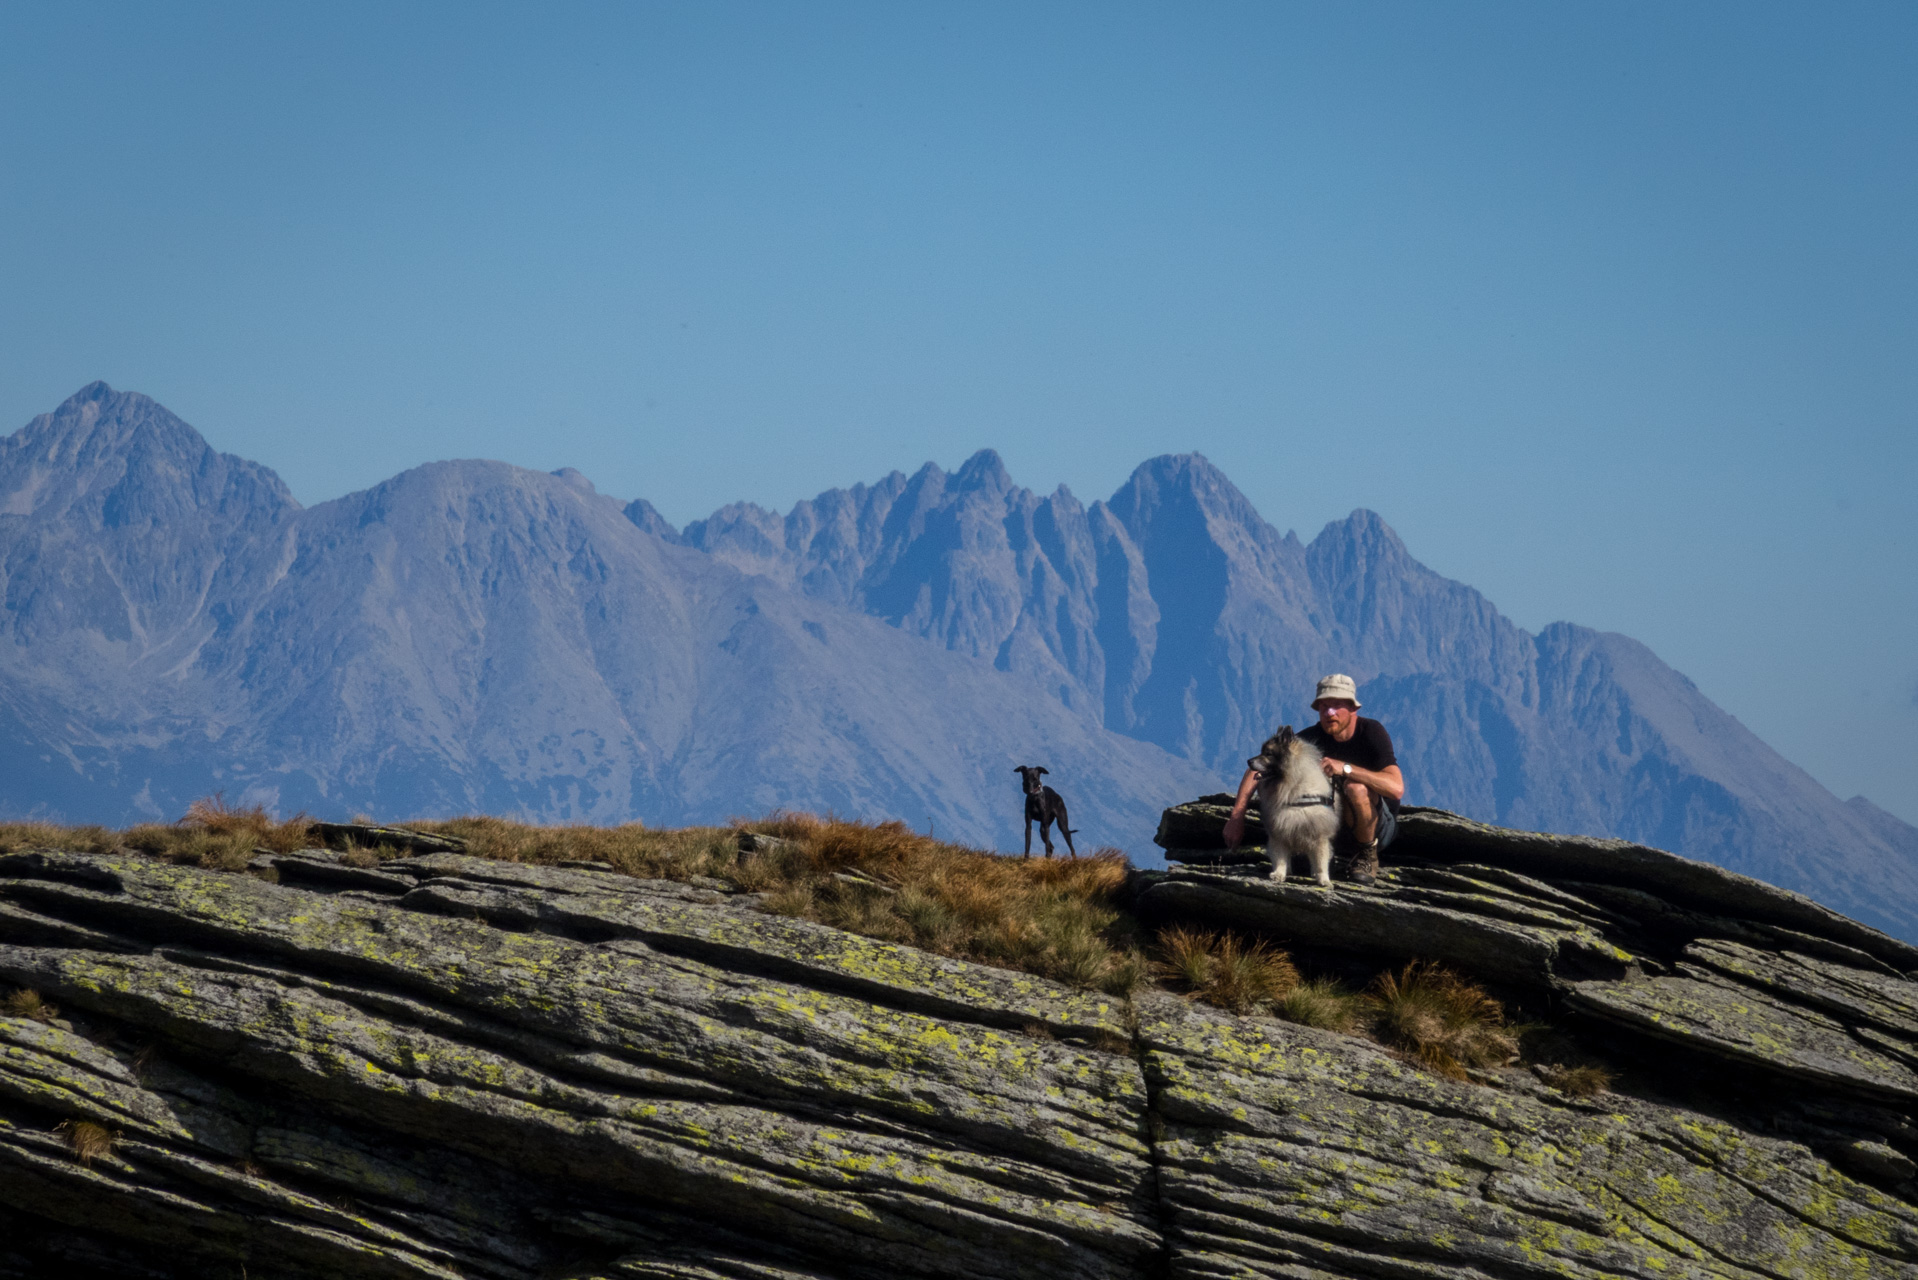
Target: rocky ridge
column 445, row 1066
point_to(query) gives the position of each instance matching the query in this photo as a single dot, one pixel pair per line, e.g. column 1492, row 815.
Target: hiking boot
column 1365, row 867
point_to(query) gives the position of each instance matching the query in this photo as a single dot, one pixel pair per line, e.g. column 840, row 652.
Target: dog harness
column 1307, row 802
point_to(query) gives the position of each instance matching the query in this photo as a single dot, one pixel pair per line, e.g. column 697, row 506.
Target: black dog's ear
column 1040, row 769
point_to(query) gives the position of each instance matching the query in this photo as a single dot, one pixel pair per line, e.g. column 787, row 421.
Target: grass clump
column 1323, row 1003
column 1252, row 976
column 48, row 835
column 86, row 1140
column 218, row 836
column 1586, row 1081
column 1225, row 969
column 1441, row 1020
column 25, row 1003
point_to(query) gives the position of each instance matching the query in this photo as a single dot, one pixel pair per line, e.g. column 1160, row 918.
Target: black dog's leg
column 1028, row 852
column 1065, row 830
column 1045, row 831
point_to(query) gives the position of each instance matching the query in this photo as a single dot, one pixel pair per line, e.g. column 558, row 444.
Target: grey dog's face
column 1282, row 748
column 1280, row 745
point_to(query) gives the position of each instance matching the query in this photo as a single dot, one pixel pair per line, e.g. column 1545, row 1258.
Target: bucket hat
column 1338, row 686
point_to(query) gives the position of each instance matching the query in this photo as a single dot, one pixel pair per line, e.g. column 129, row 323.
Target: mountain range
column 472, row 636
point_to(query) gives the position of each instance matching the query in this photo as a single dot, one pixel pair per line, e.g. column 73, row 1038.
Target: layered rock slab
column 452, row 1067
column 1290, row 1152
column 651, row 1088
column 1754, row 991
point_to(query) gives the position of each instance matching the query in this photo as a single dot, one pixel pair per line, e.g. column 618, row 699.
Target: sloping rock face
column 462, row 1068
column 443, row 1067
column 1778, row 1012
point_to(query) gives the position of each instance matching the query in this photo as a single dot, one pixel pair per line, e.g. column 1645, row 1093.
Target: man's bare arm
column 1235, row 825
column 1388, row 782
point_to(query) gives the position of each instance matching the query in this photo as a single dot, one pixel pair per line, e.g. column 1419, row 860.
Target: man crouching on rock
column 1360, row 762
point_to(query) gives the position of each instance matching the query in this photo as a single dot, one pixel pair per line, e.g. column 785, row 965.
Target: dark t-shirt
column 1368, row 748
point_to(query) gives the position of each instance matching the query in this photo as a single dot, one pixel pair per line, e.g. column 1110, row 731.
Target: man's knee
column 1361, row 812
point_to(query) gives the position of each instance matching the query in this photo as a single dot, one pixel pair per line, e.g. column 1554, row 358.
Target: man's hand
column 1387, row 782
column 1234, row 830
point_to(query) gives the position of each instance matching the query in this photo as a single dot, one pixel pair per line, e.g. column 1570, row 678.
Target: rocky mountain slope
column 442, row 1066
column 474, row 637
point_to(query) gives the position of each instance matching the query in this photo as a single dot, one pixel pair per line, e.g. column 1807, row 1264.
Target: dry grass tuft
column 782, row 824
column 1323, row 1003
column 224, row 837
column 25, row 1003
column 47, row 835
column 1577, row 1082
column 1226, row 970
column 1441, row 1020
column 212, row 834
column 86, row 1140
column 835, row 845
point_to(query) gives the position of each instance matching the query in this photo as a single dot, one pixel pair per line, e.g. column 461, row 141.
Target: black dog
column 1043, row 806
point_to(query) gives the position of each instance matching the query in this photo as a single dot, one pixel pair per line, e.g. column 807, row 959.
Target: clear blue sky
column 1611, row 310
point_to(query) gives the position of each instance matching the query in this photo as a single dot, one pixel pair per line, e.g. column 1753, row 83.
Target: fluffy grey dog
column 1298, row 803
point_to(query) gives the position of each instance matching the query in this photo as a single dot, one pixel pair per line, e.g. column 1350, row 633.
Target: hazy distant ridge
column 470, row 635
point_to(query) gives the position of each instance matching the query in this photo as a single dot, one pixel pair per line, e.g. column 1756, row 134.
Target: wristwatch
column 1348, row 768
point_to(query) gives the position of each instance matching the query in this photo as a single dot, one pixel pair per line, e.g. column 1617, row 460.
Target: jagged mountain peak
column 643, row 514
column 1354, row 558
column 1176, row 489
column 120, row 449
column 984, row 473
column 1364, row 528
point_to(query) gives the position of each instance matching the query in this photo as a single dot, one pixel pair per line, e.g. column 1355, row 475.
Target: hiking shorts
column 1345, row 845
